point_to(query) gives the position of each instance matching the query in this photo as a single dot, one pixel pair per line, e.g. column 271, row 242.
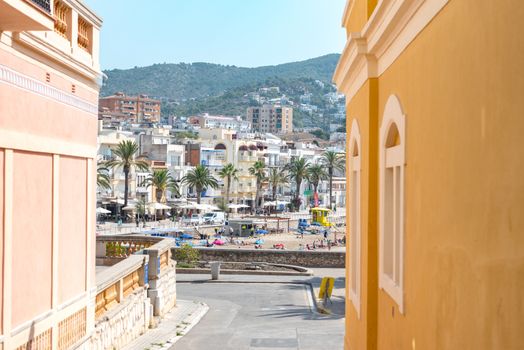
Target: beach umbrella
column 102, row 211
column 158, row 206
column 218, row 242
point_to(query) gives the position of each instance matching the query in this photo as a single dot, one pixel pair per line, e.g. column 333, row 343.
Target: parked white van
column 194, row 219
column 216, row 217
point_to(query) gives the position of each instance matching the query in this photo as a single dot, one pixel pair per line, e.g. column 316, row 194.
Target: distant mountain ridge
column 184, row 81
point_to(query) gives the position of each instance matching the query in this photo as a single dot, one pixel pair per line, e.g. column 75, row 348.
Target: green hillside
column 190, row 89
column 184, row 81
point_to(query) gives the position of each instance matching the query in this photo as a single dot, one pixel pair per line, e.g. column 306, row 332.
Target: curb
column 310, row 292
column 188, row 323
column 194, row 319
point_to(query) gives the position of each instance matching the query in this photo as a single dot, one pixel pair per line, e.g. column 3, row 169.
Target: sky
column 245, row 33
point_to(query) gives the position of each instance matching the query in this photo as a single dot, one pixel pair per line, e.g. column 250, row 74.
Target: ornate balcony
column 25, row 15
column 43, row 4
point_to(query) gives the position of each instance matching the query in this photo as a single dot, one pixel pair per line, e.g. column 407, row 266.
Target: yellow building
column 436, row 172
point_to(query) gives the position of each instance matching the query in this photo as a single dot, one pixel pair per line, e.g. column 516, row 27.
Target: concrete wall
column 48, row 127
column 300, row 258
column 363, row 109
column 32, row 238
column 123, row 324
column 460, row 83
column 72, row 262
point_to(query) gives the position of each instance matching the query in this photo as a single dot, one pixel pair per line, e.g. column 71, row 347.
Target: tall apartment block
column 136, row 109
column 49, row 82
column 274, row 119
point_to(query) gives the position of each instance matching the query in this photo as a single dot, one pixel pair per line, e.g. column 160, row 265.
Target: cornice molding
column 11, row 77
column 37, row 43
column 393, row 25
column 86, row 12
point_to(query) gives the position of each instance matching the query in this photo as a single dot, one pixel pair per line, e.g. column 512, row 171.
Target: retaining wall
column 290, row 257
column 124, row 323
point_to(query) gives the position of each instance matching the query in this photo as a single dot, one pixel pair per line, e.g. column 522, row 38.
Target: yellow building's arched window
column 355, row 241
column 391, row 220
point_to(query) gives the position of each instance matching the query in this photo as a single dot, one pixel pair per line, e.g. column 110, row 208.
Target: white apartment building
column 207, row 121
column 275, row 119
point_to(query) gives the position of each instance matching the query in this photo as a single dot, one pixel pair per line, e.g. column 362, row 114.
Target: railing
column 43, row 4
column 159, row 274
column 120, row 280
column 122, row 246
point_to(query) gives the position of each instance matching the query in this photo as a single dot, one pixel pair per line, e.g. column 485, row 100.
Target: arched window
column 355, row 240
column 391, row 169
column 220, row 146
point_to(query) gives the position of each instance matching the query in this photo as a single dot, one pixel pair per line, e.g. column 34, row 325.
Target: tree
column 161, row 180
column 298, row 171
column 229, row 173
column 332, row 161
column 102, row 176
column 125, row 152
column 200, row 178
column 258, row 170
column 315, row 175
column 276, row 178
column 141, row 209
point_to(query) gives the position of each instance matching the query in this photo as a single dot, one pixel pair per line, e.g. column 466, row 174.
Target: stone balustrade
column 122, row 246
column 161, row 276
column 123, row 310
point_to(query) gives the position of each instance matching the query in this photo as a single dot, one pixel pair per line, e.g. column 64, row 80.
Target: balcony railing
column 43, row 4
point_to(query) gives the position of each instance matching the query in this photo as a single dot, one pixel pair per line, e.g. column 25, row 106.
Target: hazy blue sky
column 246, row 33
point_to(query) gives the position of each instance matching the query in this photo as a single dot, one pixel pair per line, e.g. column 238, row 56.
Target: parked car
column 194, row 219
column 216, row 217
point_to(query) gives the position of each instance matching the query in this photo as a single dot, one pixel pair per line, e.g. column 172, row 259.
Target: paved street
column 259, row 316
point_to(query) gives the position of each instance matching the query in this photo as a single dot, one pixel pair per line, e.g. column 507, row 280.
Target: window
column 355, row 241
column 391, row 220
column 61, row 14
column 83, row 34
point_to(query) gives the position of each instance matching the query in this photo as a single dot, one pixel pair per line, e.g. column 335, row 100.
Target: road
column 258, row 316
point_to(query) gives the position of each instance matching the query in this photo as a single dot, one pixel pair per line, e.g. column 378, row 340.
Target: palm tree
column 315, row 174
column 276, row 178
column 125, row 151
column 258, row 170
column 102, row 176
column 200, row 178
column 140, row 209
column 161, row 180
column 332, row 161
column 298, row 171
column 230, row 173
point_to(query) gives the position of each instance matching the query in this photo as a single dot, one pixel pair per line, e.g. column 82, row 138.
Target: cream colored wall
column 31, row 237
column 72, row 228
column 57, row 121
column 16, row 55
column 460, row 84
column 47, row 200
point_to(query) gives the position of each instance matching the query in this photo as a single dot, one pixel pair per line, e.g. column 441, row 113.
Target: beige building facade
column 274, row 119
column 49, row 83
column 134, row 109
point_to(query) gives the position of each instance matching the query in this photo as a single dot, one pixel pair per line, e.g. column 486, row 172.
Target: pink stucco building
column 49, row 83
